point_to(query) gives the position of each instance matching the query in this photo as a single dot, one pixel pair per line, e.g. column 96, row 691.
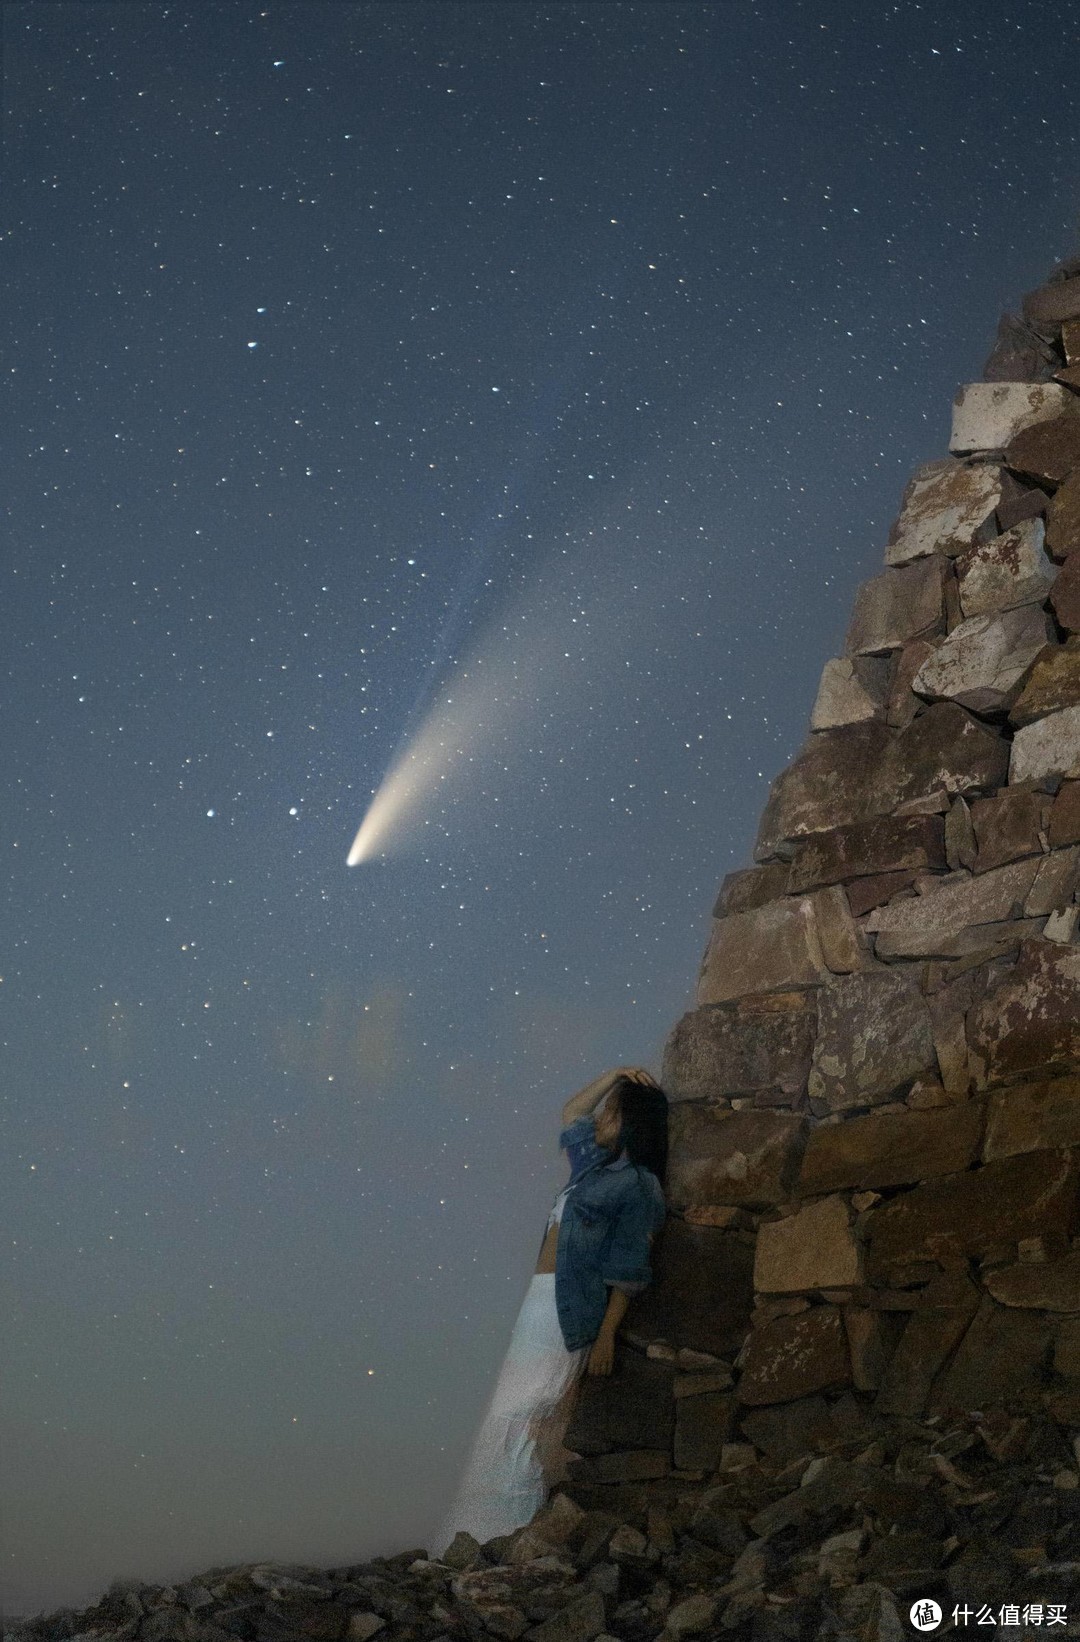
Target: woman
column 594, row 1257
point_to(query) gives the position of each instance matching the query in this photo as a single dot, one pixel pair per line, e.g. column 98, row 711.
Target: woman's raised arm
column 586, row 1100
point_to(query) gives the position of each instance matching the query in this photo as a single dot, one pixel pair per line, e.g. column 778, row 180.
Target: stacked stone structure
column 874, row 1179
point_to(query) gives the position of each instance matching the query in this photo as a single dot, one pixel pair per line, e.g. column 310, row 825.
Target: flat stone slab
column 1047, row 1285
column 835, row 778
column 1033, row 1117
column 945, row 749
column 1008, row 826
column 751, row 887
column 641, row 1416
column 1052, row 685
column 986, row 415
column 771, row 949
column 756, row 1046
column 929, row 925
column 702, row 1291
column 794, row 1356
column 896, row 606
column 747, row 1158
column 1064, row 823
column 974, row 1212
column 1048, row 746
column 944, row 504
column 1051, row 304
column 933, row 1331
column 1009, row 570
column 866, row 849
column 983, row 661
column 1029, row 1026
column 852, row 689
column 998, row 1362
column 1049, row 451
column 814, row 1248
column 893, row 1148
column 875, row 1037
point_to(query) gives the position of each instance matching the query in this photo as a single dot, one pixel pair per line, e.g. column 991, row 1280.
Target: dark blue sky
column 583, row 350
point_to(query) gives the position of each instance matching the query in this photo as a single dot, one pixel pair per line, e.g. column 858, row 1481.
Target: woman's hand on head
column 637, row 1074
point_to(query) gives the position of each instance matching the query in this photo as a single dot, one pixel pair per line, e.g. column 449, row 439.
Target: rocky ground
column 980, row 1516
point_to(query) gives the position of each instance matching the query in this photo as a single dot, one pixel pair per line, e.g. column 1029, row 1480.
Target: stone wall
column 875, row 1122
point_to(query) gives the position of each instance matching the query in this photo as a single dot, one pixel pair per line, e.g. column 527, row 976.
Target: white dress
column 518, row 1451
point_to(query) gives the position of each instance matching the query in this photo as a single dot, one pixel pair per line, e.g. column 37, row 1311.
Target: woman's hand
column 602, row 1355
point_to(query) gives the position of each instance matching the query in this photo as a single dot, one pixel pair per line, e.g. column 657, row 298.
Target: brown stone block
column 772, row 949
column 1033, row 1117
column 1063, row 519
column 864, row 894
column 866, row 848
column 640, row 1465
column 634, row 1408
column 795, row 1356
column 1064, row 824
column 1055, row 882
column 725, row 1050
column 957, row 1216
column 902, row 704
column 872, row 1338
column 746, row 890
column 702, row 1290
column 930, row 1336
column 985, row 659
column 1008, row 826
column 937, row 923
column 1065, row 597
column 1051, row 304
column 961, row 849
column 874, row 1038
column 1019, row 354
column 947, row 749
column 1053, row 683
column 896, row 606
column 1047, row 452
column 745, row 1158
column 835, row 778
column 891, row 1149
column 1046, row 1285
column 702, row 1425
column 841, row 948
column 1067, row 1348
column 1062, row 1404
column 1026, row 504
column 1029, row 1026
column 998, row 1362
column 815, row 1248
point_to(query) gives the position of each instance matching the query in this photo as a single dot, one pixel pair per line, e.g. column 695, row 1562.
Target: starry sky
column 516, row 390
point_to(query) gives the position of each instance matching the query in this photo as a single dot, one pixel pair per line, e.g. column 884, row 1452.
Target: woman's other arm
column 602, row 1354
column 588, row 1099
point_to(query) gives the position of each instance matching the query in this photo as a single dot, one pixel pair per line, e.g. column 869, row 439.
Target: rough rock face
column 855, row 1379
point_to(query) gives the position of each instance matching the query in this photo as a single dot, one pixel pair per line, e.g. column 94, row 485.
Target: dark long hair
column 643, row 1110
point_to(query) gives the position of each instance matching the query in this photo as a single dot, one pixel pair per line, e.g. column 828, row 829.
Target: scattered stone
column 874, row 1038
column 983, row 661
column 987, row 415
column 852, row 689
column 1008, row 571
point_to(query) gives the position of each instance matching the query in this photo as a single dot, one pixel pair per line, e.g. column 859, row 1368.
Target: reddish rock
column 891, row 1148
column 1007, row 571
column 1064, row 824
column 702, row 1291
column 939, row 923
column 836, row 778
column 1053, row 683
column 931, row 1334
column 751, row 888
column 1033, row 1117
column 1019, row 354
column 1048, row 452
column 944, row 749
column 1046, row 1285
column 1065, row 594
column 746, row 1158
column 902, row 704
column 868, row 848
column 864, row 894
column 948, row 1220
column 794, row 1356
column 1026, row 504
column 1008, row 826
column 1063, row 519
column 635, row 1408
column 997, row 1363
column 743, row 1049
column 1048, row 307
column 1029, row 1025
column 896, row 606
column 772, row 949
column 874, row 1038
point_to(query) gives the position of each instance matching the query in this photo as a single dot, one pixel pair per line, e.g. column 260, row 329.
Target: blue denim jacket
column 608, row 1223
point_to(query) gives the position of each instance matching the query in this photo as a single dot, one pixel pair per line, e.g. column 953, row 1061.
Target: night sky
column 518, row 389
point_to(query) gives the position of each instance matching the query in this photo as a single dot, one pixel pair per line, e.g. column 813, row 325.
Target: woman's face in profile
column 608, row 1122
